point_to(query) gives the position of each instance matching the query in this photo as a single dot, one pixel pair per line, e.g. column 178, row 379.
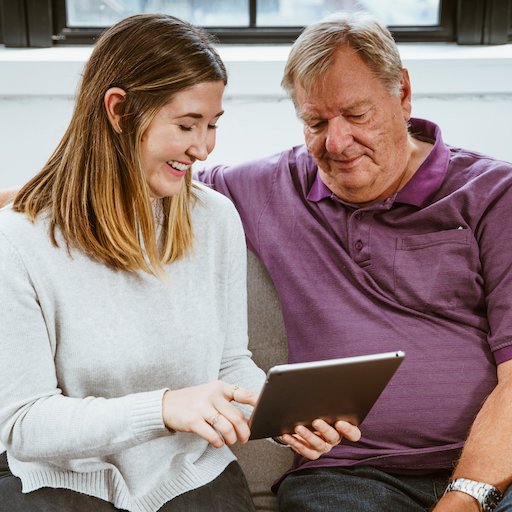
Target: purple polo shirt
column 427, row 271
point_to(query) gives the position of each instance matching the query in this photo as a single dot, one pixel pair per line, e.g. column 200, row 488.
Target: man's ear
column 114, row 105
column 405, row 94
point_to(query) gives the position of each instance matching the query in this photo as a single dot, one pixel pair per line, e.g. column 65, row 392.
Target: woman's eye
column 185, row 128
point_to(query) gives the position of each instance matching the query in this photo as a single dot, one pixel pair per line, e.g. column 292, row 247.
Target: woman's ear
column 114, row 105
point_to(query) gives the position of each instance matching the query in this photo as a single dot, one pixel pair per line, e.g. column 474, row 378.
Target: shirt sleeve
column 249, row 186
column 37, row 422
column 494, row 236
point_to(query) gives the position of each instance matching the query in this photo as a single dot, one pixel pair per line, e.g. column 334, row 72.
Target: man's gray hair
column 314, row 50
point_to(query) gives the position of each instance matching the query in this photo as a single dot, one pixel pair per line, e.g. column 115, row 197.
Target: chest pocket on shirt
column 431, row 270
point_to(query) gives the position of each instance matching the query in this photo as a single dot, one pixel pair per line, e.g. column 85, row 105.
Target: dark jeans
column 364, row 489
column 229, row 492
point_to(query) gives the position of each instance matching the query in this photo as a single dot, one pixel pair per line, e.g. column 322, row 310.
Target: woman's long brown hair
column 93, row 187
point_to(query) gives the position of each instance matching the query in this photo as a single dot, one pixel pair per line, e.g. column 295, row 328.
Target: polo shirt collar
column 426, row 180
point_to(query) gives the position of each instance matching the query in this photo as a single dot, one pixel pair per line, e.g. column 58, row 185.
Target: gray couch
column 262, row 461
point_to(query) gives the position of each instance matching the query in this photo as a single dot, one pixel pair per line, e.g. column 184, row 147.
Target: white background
column 467, row 90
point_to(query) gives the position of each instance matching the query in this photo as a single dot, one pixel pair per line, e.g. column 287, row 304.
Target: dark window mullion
column 496, row 25
column 253, row 8
column 510, row 25
column 39, row 22
column 1, row 23
column 59, row 18
column 470, row 21
column 14, row 23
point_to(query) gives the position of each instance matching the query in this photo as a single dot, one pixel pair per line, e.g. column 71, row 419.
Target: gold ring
column 214, row 419
column 236, row 386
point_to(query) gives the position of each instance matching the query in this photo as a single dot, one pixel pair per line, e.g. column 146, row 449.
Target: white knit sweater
column 86, row 353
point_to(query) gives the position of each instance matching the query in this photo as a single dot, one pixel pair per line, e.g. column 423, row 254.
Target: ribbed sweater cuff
column 147, row 419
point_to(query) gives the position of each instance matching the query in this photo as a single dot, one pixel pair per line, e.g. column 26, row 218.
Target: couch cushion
column 262, row 461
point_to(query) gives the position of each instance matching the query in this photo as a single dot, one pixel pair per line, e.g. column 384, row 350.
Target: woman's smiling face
column 181, row 132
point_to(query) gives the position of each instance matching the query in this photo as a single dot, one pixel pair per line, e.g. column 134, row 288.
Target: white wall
column 467, row 90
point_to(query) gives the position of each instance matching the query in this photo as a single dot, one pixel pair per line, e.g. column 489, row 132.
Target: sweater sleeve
column 37, row 422
column 237, row 367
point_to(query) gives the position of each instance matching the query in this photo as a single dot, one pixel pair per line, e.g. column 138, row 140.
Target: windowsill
column 435, row 68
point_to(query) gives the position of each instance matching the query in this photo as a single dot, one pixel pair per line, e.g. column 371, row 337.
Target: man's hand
column 313, row 444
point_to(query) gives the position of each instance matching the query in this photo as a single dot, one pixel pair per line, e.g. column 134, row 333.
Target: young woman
column 123, row 336
column 123, row 339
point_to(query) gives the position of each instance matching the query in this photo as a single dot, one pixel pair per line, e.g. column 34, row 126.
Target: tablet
column 297, row 394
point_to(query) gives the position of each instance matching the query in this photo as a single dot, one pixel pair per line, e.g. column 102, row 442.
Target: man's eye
column 212, row 127
column 316, row 126
column 359, row 117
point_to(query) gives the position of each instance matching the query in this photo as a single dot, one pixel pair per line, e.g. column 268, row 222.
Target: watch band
column 487, row 495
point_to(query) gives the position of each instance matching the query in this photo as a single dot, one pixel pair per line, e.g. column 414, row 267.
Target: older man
column 378, row 237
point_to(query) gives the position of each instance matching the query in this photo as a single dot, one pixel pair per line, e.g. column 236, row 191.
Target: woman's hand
column 313, row 444
column 207, row 411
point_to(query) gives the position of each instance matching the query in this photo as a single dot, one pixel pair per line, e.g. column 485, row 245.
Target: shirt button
column 359, row 245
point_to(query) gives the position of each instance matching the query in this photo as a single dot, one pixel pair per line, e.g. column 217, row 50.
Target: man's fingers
column 327, row 432
column 312, row 440
column 347, row 430
column 299, row 445
column 313, row 444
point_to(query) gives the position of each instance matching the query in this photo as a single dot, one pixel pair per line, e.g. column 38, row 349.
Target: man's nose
column 339, row 135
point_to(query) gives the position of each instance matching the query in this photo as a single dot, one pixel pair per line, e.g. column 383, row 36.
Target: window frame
column 42, row 23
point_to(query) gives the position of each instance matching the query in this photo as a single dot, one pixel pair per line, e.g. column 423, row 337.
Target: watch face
column 491, row 500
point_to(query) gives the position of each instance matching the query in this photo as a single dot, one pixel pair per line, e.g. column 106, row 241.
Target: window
column 236, row 13
column 54, row 22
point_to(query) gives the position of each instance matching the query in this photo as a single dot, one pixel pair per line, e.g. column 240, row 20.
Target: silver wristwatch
column 487, row 495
